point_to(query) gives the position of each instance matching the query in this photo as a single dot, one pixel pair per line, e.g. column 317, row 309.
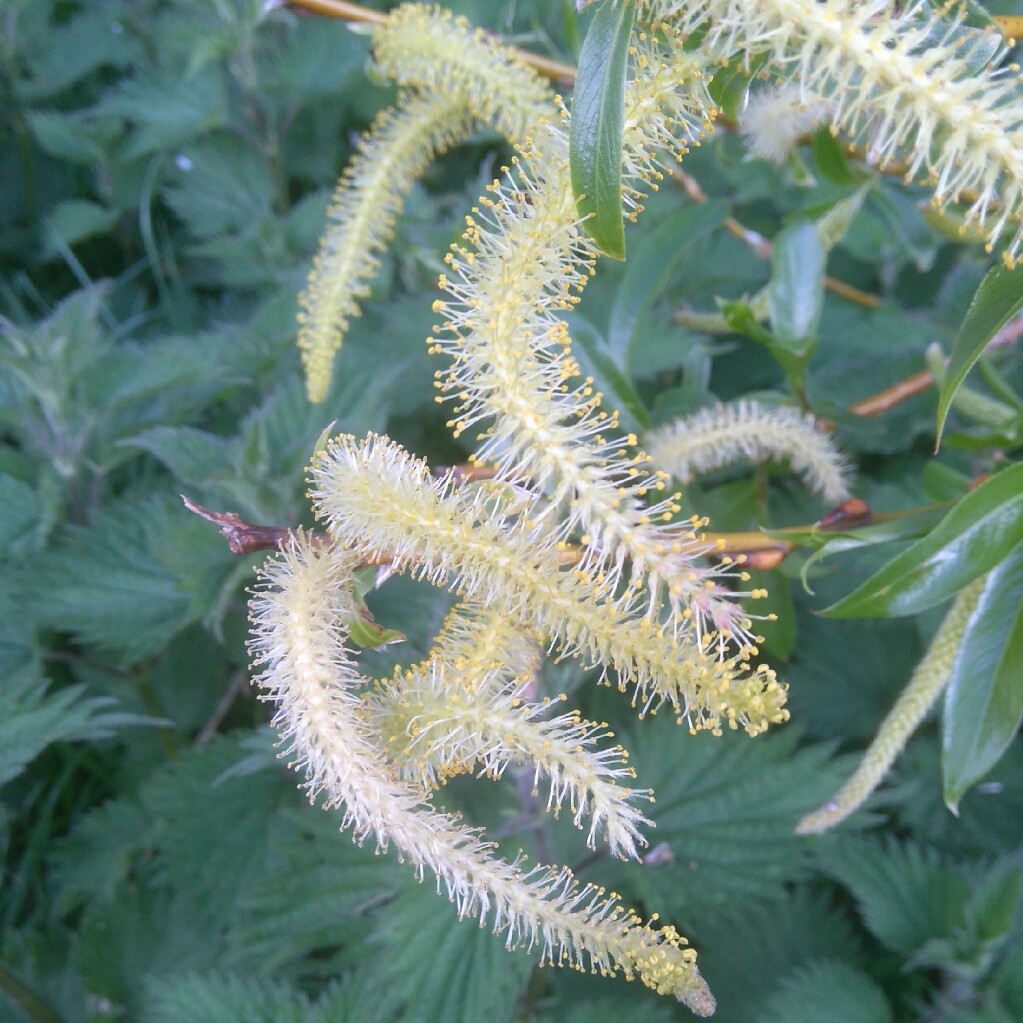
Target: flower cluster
column 591, row 555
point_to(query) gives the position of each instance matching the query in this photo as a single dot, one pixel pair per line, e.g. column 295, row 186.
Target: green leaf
column 830, row 159
column 73, row 221
column 597, row 362
column 997, row 300
column 828, row 991
column 729, row 86
column 726, row 808
column 650, row 267
column 598, row 115
column 320, row 886
column 34, row 719
column 972, row 538
column 984, row 700
column 904, row 893
column 449, row 969
column 797, row 287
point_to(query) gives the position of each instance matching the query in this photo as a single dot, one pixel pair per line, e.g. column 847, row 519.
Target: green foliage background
column 166, row 169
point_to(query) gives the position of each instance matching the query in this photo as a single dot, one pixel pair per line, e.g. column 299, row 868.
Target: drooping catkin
column 911, row 86
column 458, row 79
column 718, row 436
column 298, row 614
column 929, row 679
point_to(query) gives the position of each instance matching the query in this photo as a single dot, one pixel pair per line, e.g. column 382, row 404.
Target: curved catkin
column 298, row 615
column 429, row 48
column 916, row 88
column 465, row 80
column 431, row 729
column 381, row 502
column 929, row 679
column 392, row 156
column 724, row 434
column 524, row 260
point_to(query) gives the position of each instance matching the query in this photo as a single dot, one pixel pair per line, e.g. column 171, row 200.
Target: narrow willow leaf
column 651, row 266
column 971, row 540
column 598, row 115
column 997, row 300
column 797, row 287
column 984, row 701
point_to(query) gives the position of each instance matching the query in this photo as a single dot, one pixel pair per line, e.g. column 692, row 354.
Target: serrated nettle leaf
column 997, row 300
column 995, row 903
column 971, row 540
column 650, row 267
column 598, row 115
column 984, row 700
column 74, row 221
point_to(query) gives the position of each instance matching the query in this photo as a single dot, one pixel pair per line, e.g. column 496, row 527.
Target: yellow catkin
column 462, row 79
column 929, row 679
column 719, row 436
column 374, row 497
column 298, row 615
column 915, row 87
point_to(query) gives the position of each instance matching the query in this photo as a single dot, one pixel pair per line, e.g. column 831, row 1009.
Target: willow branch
column 547, row 66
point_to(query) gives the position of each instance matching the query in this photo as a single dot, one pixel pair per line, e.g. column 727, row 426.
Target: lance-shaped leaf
column 598, row 116
column 997, row 300
column 971, row 540
column 984, row 700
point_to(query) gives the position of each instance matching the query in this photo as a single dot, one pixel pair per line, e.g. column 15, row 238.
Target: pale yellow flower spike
column 914, row 87
column 929, row 679
column 724, row 434
column 467, row 79
column 380, row 501
column 298, row 640
column 524, row 260
column 392, row 155
column 433, row 728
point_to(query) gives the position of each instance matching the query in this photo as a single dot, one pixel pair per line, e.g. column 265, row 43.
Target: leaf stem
column 26, row 999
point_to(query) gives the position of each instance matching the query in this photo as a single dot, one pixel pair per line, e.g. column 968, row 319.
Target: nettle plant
column 562, row 536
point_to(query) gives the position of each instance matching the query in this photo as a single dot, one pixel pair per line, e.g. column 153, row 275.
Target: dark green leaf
column 905, row 894
column 597, row 362
column 997, row 300
column 598, row 114
column 830, row 158
column 650, row 267
column 974, row 537
column 984, row 701
column 828, row 991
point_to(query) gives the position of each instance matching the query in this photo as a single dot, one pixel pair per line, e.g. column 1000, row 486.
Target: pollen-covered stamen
column 511, row 353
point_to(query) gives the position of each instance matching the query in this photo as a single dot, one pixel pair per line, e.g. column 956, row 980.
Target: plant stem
column 27, row 1000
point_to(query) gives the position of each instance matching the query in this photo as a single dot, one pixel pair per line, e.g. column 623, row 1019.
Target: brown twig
column 879, row 403
column 547, row 66
column 242, row 537
column 235, row 685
